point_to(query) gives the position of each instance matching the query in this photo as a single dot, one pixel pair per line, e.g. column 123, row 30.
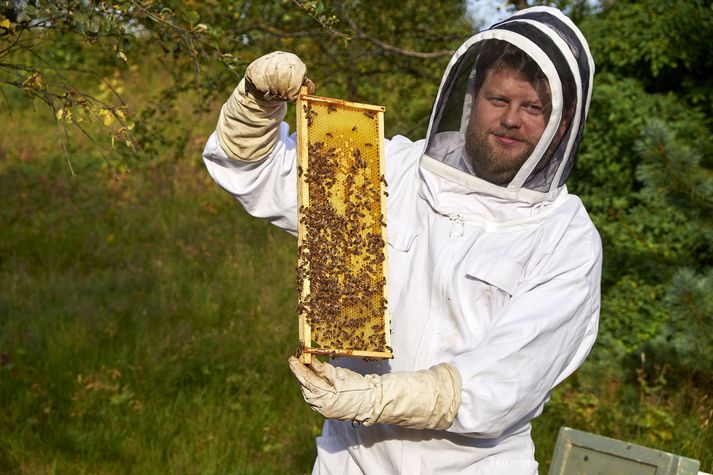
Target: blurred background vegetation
column 145, row 319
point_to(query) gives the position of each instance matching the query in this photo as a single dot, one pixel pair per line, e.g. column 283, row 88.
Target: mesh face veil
column 510, row 110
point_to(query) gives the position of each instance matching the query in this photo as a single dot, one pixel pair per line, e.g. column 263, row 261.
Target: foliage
column 204, row 46
column 661, row 43
column 673, row 169
column 672, row 173
column 644, row 172
column 44, row 48
column 687, row 333
column 641, row 409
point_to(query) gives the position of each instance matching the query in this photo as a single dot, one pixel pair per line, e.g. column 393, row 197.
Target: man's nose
column 510, row 118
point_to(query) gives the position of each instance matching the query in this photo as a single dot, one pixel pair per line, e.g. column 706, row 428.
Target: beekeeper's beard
column 491, row 161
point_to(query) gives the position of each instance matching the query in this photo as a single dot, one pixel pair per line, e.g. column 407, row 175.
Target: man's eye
column 498, row 101
column 533, row 109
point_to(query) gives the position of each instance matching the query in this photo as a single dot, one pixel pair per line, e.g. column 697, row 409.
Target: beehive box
column 341, row 270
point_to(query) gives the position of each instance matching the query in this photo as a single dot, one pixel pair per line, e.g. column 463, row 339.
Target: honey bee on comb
column 341, row 270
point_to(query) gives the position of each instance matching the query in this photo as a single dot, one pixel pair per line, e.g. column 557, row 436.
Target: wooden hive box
column 341, row 190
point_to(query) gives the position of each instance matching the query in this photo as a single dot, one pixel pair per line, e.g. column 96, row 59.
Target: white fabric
column 427, row 399
column 513, row 307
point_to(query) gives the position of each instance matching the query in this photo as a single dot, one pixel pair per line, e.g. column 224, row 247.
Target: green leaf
column 191, row 17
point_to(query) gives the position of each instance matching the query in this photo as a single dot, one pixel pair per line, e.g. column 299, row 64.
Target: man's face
column 508, row 119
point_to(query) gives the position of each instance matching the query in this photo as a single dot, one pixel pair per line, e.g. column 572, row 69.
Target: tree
column 673, row 175
column 72, row 55
column 661, row 44
column 645, row 173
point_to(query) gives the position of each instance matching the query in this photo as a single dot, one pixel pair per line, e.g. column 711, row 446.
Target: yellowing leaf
column 107, row 118
column 5, row 23
column 33, row 81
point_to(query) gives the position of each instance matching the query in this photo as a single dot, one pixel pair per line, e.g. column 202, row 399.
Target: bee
column 310, row 115
column 367, row 144
column 354, row 128
column 331, row 108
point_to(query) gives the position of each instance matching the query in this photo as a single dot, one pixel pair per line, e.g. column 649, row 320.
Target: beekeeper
column 494, row 268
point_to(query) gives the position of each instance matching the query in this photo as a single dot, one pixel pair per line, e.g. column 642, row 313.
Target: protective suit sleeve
column 267, row 189
column 426, row 399
column 543, row 334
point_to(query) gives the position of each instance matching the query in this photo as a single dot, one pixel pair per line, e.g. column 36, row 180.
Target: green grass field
column 146, row 320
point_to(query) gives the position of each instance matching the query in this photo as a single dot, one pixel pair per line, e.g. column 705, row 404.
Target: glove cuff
column 248, row 127
column 427, row 399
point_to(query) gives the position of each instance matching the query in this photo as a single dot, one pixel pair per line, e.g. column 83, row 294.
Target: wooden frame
column 304, row 103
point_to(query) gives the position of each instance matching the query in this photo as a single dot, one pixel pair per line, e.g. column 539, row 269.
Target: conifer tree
column 672, row 170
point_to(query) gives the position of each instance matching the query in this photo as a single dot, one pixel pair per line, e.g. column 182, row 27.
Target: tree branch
column 394, row 49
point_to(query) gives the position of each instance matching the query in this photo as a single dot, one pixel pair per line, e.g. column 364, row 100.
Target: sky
column 490, row 11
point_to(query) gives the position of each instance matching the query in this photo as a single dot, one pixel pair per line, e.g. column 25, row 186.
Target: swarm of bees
column 342, row 252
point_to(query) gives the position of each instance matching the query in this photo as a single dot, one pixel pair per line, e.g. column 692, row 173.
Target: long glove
column 248, row 123
column 427, row 399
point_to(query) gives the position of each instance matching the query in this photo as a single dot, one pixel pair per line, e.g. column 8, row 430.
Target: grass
column 145, row 323
column 639, row 408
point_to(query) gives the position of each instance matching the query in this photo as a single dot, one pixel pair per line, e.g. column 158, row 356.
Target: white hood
column 556, row 45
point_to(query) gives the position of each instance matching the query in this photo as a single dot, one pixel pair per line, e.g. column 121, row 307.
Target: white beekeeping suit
column 493, row 278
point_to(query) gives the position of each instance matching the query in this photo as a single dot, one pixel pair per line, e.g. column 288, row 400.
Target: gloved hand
column 427, row 399
column 248, row 123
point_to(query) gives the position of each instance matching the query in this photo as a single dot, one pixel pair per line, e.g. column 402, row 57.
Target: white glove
column 427, row 399
column 248, row 123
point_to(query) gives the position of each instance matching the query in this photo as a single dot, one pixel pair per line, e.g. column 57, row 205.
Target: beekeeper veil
column 539, row 47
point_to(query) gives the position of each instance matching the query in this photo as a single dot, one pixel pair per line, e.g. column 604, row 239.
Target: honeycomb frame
column 341, row 200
